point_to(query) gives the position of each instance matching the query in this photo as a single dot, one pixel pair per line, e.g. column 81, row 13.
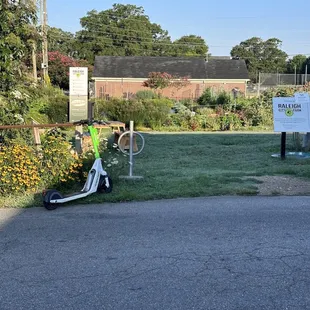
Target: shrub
column 208, row 119
column 26, row 170
column 57, row 109
column 120, row 110
column 224, row 99
column 179, row 107
column 146, row 94
column 230, row 121
column 156, row 112
column 59, row 166
column 255, row 112
column 206, row 98
column 147, row 112
column 49, row 102
column 187, row 102
column 19, row 169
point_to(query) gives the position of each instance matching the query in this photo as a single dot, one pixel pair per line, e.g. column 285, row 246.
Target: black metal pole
column 283, row 142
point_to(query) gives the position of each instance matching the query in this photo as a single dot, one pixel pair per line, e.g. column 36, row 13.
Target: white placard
column 78, row 81
column 291, row 114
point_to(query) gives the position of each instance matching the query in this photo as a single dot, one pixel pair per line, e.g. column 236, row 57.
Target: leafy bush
column 49, row 102
column 24, row 169
column 208, row 119
column 224, row 99
column 179, row 107
column 189, row 103
column 121, row 110
column 147, row 112
column 59, row 166
column 57, row 109
column 146, row 94
column 156, row 112
column 207, row 98
column 18, row 169
column 44, row 104
column 230, row 121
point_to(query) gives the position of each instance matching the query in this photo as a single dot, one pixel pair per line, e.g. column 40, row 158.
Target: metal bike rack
column 131, row 154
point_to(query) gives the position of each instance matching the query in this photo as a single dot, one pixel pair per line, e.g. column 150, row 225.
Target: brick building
column 122, row 76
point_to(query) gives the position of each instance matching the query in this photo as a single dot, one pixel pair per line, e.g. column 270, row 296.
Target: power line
column 108, row 42
column 151, row 49
column 119, row 40
column 141, row 41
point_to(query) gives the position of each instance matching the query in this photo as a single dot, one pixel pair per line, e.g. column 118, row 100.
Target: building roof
column 226, row 69
column 193, row 67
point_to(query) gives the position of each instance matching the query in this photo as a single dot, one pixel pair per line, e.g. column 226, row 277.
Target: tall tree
column 59, row 65
column 16, row 32
column 304, row 69
column 298, row 62
column 61, row 41
column 190, row 45
column 261, row 56
column 124, row 30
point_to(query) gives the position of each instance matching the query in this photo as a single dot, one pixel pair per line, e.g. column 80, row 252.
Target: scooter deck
column 74, row 194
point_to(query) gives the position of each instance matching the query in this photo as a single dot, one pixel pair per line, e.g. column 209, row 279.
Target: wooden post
column 36, row 135
column 78, row 138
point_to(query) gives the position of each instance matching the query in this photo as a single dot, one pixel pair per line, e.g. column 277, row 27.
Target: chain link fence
column 271, row 80
column 281, row 79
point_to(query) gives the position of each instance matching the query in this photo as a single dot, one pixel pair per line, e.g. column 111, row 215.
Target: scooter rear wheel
column 102, row 188
column 51, row 195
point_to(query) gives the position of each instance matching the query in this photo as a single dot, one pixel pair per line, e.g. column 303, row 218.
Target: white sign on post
column 78, row 88
column 78, row 81
column 291, row 114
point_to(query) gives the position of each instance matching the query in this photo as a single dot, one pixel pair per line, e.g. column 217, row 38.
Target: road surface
column 202, row 253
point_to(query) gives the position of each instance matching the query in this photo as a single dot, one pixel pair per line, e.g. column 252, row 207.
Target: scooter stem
column 95, row 139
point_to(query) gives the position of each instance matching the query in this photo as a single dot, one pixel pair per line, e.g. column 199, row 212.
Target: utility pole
column 258, row 88
column 34, row 52
column 43, row 8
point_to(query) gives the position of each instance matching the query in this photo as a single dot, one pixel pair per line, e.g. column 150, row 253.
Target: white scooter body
column 91, row 184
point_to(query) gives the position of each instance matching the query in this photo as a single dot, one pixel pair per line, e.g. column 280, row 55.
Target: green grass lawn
column 203, row 164
column 200, row 164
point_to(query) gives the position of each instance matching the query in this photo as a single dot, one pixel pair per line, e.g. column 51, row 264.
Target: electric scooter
column 97, row 179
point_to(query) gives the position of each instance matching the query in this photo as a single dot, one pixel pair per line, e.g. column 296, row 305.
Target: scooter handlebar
column 81, row 122
column 89, row 122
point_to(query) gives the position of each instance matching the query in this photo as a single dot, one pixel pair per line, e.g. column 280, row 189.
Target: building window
column 101, row 92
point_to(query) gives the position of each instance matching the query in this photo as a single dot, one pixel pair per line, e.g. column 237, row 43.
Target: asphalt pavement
column 201, row 253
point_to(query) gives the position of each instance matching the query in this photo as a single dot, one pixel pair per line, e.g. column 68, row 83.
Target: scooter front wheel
column 51, row 195
column 102, row 188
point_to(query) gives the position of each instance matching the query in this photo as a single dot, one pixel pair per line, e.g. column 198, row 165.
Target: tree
column 190, row 45
column 124, row 30
column 307, row 63
column 158, row 80
column 58, row 69
column 298, row 62
column 61, row 41
column 161, row 80
column 261, row 56
column 16, row 33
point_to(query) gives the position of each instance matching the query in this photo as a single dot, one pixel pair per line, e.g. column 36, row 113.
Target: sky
column 222, row 23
